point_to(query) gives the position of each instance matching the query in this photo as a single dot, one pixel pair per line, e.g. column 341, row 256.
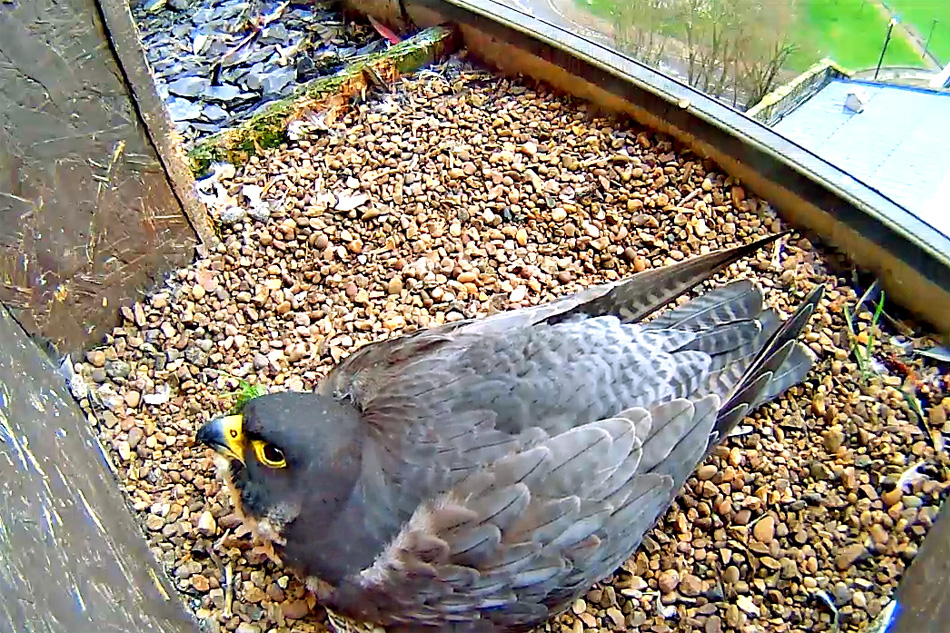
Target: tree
column 730, row 49
column 641, row 26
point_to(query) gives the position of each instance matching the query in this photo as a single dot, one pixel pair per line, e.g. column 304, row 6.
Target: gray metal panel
column 899, row 144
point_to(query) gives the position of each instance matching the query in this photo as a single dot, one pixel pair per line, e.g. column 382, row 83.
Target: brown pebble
column 96, row 358
column 878, row 534
column 892, row 497
column 833, row 439
column 200, row 583
column 135, row 436
column 133, row 398
column 394, row 287
column 764, row 529
column 668, row 580
column 295, row 609
column 730, row 575
column 849, row 555
column 690, row 585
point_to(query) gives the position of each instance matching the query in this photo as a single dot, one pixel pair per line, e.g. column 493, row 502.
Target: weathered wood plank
column 924, row 593
column 71, row 555
column 87, row 215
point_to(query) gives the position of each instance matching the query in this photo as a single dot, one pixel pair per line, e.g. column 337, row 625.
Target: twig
column 692, row 194
column 228, row 589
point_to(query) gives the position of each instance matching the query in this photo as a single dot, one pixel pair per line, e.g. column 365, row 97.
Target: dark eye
column 269, row 455
column 273, row 454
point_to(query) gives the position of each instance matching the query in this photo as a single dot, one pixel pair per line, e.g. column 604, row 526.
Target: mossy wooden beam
column 269, row 128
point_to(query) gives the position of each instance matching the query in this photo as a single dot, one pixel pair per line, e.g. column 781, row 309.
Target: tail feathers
column 743, row 355
column 730, row 362
column 733, row 302
column 782, row 362
column 791, row 372
column 639, row 296
column 725, row 340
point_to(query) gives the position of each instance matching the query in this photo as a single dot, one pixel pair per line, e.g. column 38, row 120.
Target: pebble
column 849, row 555
column 295, row 609
column 892, row 497
column 97, row 358
column 764, row 529
column 668, row 581
column 206, row 524
column 133, row 398
column 125, row 451
column 154, row 522
column 118, row 369
column 135, row 436
column 200, row 583
column 690, row 585
column 833, row 439
column 545, row 205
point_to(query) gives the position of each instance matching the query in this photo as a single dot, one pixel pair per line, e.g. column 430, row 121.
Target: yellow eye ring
column 268, row 454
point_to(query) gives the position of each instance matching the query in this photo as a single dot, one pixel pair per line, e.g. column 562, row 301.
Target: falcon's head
column 291, row 461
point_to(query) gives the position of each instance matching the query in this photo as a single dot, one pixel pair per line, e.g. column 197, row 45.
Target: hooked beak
column 225, row 435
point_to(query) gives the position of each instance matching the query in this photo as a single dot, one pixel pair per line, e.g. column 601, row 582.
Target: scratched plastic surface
column 87, row 215
column 72, row 558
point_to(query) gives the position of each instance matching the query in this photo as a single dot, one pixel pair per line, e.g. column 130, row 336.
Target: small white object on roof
column 855, row 100
column 941, row 79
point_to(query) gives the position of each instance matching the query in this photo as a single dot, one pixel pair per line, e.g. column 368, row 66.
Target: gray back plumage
column 513, row 461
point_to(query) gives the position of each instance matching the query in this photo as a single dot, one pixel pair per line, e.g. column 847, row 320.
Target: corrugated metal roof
column 899, row 144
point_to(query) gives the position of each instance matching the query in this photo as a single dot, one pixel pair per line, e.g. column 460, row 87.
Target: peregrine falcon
column 480, row 476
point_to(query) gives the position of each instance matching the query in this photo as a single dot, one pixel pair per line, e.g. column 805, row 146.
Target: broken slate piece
column 276, row 34
column 182, row 109
column 224, row 92
column 213, row 112
column 189, row 86
column 274, row 82
column 205, row 127
column 252, row 80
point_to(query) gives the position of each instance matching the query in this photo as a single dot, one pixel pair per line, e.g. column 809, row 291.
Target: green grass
column 920, row 14
column 849, row 31
column 603, row 8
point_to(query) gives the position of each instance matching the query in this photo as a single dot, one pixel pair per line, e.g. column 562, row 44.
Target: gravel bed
column 218, row 62
column 460, row 194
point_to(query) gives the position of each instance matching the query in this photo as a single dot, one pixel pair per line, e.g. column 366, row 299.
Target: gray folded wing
column 518, row 539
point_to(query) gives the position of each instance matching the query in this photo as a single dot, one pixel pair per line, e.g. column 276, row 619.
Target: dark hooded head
column 289, row 457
